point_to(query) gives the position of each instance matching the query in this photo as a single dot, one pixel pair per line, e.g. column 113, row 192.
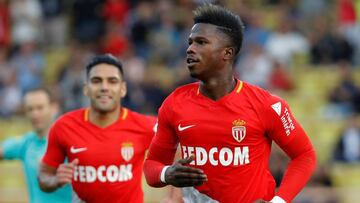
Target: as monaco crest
column 127, row 151
column 239, row 130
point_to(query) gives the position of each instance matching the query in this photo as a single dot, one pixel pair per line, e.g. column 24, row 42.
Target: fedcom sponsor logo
column 112, row 173
column 287, row 122
column 218, row 156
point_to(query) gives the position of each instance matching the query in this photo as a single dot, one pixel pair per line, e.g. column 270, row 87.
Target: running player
column 225, row 126
column 105, row 143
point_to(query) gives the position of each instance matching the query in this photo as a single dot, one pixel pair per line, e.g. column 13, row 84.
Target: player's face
column 39, row 110
column 205, row 54
column 105, row 88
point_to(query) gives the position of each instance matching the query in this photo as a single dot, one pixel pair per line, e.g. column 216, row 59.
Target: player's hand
column 65, row 171
column 261, row 201
column 180, row 175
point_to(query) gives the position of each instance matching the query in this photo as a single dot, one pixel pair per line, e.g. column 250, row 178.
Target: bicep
column 55, row 153
column 285, row 130
column 165, row 142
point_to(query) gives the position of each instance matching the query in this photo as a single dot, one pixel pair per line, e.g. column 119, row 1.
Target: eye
column 114, row 81
column 95, row 80
column 201, row 41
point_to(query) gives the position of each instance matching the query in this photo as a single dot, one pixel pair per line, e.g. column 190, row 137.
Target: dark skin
column 210, row 59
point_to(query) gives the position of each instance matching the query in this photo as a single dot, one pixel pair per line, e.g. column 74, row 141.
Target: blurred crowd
column 150, row 37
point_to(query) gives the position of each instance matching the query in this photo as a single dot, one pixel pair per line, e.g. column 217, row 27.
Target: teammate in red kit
column 225, row 126
column 105, row 144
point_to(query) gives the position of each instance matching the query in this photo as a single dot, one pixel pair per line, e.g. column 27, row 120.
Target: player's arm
column 51, row 178
column 292, row 139
column 159, row 168
column 53, row 172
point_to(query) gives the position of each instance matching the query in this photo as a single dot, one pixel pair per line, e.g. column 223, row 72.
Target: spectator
column 345, row 97
column 286, row 42
column 26, row 21
column 328, row 46
column 54, row 23
column 347, row 148
column 28, row 63
column 4, row 23
column 256, row 67
column 87, row 21
column 71, row 79
column 280, row 78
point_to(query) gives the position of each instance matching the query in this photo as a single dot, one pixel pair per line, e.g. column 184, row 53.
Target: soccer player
column 41, row 109
column 225, row 126
column 104, row 143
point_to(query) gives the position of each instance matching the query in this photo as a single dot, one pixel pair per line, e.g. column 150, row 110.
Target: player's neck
column 216, row 88
column 104, row 119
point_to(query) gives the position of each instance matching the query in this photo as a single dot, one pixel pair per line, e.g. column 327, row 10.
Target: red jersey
column 230, row 138
column 110, row 159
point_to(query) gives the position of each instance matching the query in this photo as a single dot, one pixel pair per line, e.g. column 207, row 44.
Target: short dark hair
column 105, row 58
column 226, row 21
column 46, row 90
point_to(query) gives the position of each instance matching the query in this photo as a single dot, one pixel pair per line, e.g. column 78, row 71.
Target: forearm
column 152, row 171
column 297, row 175
column 47, row 183
column 157, row 159
column 47, row 178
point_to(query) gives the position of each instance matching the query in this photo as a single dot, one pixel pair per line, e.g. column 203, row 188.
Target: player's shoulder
column 137, row 116
column 256, row 93
column 138, row 120
column 72, row 116
column 183, row 92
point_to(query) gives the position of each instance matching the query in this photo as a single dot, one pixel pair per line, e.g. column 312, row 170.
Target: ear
column 123, row 89
column 229, row 53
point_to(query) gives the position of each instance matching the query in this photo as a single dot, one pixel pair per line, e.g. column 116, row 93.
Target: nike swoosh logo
column 185, row 127
column 77, row 150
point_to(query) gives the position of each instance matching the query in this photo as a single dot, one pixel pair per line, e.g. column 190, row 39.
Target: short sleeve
column 14, row 148
column 55, row 152
column 281, row 126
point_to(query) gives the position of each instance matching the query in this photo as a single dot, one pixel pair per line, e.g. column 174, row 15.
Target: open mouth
column 191, row 61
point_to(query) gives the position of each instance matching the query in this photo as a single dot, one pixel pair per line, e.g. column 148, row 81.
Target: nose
column 104, row 86
column 190, row 49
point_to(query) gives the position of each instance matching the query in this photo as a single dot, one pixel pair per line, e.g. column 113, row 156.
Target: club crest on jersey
column 238, row 130
column 127, row 151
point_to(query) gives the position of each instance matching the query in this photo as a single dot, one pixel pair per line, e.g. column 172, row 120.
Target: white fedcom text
column 112, row 173
column 218, row 156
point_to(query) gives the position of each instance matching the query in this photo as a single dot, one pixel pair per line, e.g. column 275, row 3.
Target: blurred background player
column 225, row 126
column 104, row 143
column 41, row 109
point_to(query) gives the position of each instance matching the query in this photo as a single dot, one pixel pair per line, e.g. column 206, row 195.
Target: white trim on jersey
column 277, row 199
